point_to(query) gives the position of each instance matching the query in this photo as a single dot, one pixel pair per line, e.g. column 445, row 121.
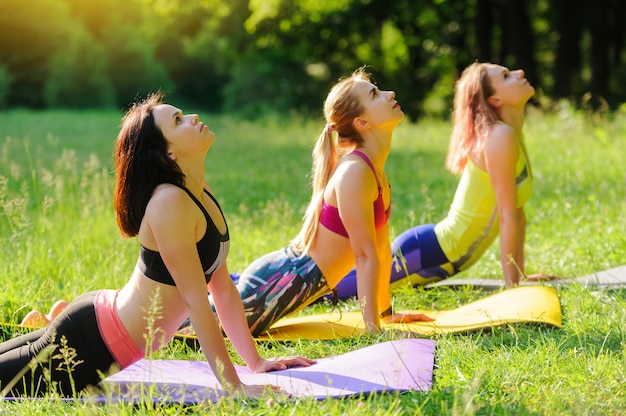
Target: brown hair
column 141, row 164
column 341, row 107
column 473, row 116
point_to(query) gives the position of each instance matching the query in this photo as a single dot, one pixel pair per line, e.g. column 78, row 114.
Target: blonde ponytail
column 341, row 107
column 324, row 162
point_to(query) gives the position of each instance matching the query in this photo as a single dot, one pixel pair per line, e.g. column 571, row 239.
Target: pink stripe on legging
column 113, row 332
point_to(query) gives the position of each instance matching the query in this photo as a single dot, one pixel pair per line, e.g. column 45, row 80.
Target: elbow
column 364, row 258
column 509, row 218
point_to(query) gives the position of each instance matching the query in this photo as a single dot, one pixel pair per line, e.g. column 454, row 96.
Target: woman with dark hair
column 161, row 197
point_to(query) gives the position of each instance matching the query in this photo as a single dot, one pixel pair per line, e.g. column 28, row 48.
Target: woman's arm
column 521, row 215
column 230, row 311
column 384, row 297
column 355, row 191
column 229, row 308
column 175, row 236
column 355, row 194
column 501, row 153
column 226, row 299
column 384, row 254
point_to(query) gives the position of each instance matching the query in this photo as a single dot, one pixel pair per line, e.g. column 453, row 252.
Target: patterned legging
column 278, row 284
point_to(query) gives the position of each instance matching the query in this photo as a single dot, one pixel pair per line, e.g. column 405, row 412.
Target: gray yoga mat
column 614, row 278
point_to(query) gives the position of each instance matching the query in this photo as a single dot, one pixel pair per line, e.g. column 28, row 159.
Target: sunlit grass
column 59, row 239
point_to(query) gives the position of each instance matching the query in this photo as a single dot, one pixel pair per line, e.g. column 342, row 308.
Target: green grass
column 59, row 239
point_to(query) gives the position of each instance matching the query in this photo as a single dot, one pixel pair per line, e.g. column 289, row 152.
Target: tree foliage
column 30, row 36
column 77, row 77
column 252, row 56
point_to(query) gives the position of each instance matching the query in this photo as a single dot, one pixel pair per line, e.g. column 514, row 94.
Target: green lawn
column 60, row 239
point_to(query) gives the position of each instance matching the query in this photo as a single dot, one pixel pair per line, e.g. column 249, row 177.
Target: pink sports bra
column 329, row 217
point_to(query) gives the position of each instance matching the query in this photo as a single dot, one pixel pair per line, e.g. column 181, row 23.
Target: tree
column 27, row 45
column 283, row 55
column 567, row 63
column 521, row 40
column 77, row 76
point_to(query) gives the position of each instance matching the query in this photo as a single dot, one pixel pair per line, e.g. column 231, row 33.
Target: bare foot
column 35, row 319
column 56, row 309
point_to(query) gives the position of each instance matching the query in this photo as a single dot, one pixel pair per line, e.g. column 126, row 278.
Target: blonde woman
column 346, row 222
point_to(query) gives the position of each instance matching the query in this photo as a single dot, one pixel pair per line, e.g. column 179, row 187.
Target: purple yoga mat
column 390, row 366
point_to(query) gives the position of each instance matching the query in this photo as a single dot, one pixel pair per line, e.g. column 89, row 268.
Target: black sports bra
column 212, row 249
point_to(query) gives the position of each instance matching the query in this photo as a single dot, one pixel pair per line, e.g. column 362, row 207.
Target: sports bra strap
column 194, row 199
column 371, row 165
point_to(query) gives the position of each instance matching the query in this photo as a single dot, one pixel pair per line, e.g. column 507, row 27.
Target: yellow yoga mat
column 536, row 304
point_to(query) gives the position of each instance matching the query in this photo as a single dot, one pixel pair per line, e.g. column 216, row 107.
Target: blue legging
column 415, row 251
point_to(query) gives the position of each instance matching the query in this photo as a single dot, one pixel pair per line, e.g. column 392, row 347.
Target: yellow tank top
column 473, row 222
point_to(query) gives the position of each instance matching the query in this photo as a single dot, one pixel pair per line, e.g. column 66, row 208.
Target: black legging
column 77, row 323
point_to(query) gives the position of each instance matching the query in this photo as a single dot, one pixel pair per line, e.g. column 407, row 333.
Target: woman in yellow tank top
column 487, row 149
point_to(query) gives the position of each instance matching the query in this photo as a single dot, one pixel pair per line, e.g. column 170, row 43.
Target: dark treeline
column 249, row 56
